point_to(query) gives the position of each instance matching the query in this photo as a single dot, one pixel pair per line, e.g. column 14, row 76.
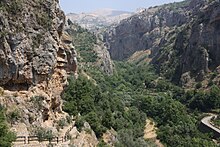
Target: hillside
column 90, row 49
column 182, row 39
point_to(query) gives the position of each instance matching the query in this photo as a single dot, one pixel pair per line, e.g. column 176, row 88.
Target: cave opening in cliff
column 11, row 86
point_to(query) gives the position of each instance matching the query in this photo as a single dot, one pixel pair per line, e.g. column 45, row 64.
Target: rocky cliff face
column 104, row 61
column 30, row 33
column 183, row 39
column 34, row 56
column 193, row 52
column 143, row 30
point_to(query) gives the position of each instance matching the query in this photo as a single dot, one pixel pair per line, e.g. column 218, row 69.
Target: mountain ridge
column 98, row 19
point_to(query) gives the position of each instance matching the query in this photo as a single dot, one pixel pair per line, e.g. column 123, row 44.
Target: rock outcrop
column 30, row 33
column 35, row 54
column 183, row 39
column 104, row 61
column 85, row 138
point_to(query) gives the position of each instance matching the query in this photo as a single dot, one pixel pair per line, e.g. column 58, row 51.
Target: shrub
column 102, row 144
column 61, row 123
column 80, row 123
column 1, row 91
column 213, row 75
column 210, row 83
column 44, row 20
column 198, row 85
column 6, row 136
column 69, row 119
column 13, row 116
column 14, row 7
column 88, row 131
column 37, row 101
column 217, row 122
column 43, row 134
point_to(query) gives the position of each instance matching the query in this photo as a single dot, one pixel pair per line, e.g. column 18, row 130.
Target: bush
column 69, row 119
column 37, row 101
column 44, row 20
column 13, row 116
column 1, row 91
column 61, row 123
column 102, row 144
column 217, row 121
column 198, row 85
column 43, row 134
column 210, row 83
column 14, row 7
column 126, row 138
column 79, row 123
column 6, row 136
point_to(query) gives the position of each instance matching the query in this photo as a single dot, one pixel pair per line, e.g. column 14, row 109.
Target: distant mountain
column 99, row 18
column 109, row 12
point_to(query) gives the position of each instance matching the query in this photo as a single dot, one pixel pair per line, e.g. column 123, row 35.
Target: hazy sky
column 78, row 6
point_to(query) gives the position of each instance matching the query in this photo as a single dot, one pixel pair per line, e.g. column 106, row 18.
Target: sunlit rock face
column 30, row 40
column 35, row 57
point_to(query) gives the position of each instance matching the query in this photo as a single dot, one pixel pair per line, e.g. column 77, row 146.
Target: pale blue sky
column 78, row 6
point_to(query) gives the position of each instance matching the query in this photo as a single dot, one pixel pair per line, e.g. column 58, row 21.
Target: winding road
column 206, row 121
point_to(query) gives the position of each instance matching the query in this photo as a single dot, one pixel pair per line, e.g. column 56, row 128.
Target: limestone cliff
column 34, row 56
column 30, row 32
column 194, row 52
column 142, row 31
column 182, row 39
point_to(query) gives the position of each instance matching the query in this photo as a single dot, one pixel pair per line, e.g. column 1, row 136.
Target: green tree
column 6, row 136
column 214, row 97
column 95, row 123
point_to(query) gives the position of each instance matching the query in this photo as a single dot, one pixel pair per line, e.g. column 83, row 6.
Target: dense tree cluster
column 124, row 101
column 203, row 101
column 102, row 110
